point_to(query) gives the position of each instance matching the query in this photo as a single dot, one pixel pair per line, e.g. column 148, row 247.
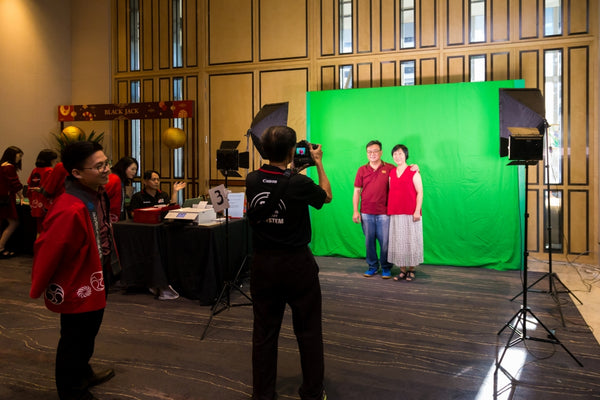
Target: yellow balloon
column 173, row 138
column 72, row 133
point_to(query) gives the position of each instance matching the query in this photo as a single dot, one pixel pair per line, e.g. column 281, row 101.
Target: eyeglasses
column 101, row 166
column 373, row 151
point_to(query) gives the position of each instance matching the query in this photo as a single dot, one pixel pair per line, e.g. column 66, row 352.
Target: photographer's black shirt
column 289, row 224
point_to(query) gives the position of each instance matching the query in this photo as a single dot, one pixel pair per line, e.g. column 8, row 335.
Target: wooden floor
column 435, row 338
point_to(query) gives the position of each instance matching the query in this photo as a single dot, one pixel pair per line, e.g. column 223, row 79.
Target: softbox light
column 520, row 108
column 274, row 114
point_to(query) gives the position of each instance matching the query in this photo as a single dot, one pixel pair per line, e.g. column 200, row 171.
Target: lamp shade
column 173, row 138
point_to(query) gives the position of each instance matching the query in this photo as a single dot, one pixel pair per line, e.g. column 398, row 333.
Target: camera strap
column 259, row 214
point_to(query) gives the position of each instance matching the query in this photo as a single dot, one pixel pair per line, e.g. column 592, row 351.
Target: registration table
column 192, row 258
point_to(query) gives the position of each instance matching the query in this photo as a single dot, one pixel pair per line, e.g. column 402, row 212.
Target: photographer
column 283, row 269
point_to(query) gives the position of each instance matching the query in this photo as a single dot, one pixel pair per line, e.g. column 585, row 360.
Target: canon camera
column 302, row 155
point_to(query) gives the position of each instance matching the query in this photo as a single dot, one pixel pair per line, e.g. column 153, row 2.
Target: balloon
column 173, row 138
column 72, row 133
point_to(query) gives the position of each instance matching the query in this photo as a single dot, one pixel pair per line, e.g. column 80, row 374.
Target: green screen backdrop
column 472, row 205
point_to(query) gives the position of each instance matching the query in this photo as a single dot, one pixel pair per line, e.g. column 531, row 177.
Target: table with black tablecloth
column 192, row 258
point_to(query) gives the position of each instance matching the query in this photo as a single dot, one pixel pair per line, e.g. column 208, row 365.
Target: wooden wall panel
column 164, row 34
column 364, row 75
column 122, row 39
column 578, row 115
column 499, row 20
column 427, row 11
column 229, row 33
column 166, row 155
column 146, row 36
column 428, row 71
column 291, row 86
column 190, row 38
column 120, row 131
column 534, row 225
column 291, row 14
column 455, row 22
column 529, row 68
column 387, row 74
column 500, row 66
column 364, row 26
column 456, row 69
column 328, row 24
column 195, row 151
column 328, row 77
column 231, row 109
column 578, row 16
column 578, row 221
column 123, row 92
column 388, row 25
column 150, row 136
column 528, row 19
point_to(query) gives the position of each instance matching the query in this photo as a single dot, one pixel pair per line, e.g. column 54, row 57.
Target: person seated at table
column 151, row 195
column 119, row 187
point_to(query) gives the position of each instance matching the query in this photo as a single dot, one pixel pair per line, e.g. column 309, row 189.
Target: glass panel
column 178, row 123
column 553, row 97
column 477, row 68
column 407, row 73
column 177, row 33
column 552, row 17
column 556, row 217
column 477, row 19
column 346, row 77
column 407, row 24
column 134, row 34
column 136, row 132
column 345, row 26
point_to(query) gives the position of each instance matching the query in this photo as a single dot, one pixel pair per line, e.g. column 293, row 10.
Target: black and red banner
column 107, row 112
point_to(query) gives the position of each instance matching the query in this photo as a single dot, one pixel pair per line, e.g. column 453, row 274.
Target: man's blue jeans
column 376, row 229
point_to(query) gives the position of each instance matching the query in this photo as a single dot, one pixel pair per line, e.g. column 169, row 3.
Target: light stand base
column 552, row 290
column 519, row 329
column 226, row 292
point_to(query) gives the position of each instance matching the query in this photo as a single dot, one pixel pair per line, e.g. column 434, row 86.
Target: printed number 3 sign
column 218, row 197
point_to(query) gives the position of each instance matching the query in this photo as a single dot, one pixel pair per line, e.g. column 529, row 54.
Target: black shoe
column 100, row 377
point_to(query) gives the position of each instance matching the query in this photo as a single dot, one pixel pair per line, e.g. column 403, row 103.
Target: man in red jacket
column 68, row 262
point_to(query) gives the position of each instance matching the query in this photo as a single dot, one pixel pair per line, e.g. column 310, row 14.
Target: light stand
column 520, row 318
column 229, row 284
column 552, row 276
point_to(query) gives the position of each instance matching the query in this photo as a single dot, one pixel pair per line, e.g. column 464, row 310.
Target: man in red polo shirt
column 371, row 191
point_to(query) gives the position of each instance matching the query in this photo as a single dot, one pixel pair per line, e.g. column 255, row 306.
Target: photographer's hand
column 317, row 155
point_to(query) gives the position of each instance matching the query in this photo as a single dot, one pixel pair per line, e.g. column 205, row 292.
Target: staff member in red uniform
column 69, row 256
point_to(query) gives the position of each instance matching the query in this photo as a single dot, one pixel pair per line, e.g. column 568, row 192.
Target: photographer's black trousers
column 281, row 277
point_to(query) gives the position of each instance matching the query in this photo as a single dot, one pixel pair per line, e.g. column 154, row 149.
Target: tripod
column 520, row 318
column 552, row 277
column 228, row 285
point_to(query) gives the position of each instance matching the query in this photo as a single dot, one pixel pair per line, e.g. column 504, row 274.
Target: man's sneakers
column 385, row 273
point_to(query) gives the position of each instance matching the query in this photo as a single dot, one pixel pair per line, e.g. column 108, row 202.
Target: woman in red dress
column 10, row 189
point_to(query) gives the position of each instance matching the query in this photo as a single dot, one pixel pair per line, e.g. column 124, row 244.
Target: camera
column 302, row 155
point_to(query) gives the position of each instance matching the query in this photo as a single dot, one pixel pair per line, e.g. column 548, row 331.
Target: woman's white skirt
column 405, row 246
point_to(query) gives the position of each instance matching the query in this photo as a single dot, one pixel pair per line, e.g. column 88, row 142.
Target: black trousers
column 75, row 348
column 279, row 278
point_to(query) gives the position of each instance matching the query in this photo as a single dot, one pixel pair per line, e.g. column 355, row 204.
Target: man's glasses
column 373, row 151
column 101, row 166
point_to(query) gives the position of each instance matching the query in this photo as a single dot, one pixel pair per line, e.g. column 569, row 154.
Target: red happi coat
column 66, row 264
